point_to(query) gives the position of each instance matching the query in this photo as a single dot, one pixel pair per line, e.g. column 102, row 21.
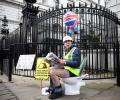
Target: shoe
column 57, row 92
column 54, row 89
column 50, row 89
column 55, row 95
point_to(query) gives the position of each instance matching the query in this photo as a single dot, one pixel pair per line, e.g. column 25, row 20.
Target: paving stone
column 6, row 93
column 3, row 92
column 29, row 89
column 0, row 81
column 7, row 96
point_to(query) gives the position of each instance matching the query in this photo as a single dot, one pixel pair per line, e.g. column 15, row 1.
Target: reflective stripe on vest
column 68, row 56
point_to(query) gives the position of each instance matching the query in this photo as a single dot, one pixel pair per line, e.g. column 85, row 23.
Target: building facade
column 114, row 5
column 12, row 10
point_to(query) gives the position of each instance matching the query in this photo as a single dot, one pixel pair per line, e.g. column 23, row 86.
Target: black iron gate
column 97, row 36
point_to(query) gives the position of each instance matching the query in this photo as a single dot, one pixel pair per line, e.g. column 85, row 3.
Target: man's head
column 67, row 40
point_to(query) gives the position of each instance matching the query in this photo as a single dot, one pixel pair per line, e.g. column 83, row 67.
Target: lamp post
column 5, row 32
column 4, row 41
column 4, row 29
column 57, row 3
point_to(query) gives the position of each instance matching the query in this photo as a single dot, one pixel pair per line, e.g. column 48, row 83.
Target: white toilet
column 72, row 85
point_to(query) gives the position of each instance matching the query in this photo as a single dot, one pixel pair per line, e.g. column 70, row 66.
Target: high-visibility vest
column 68, row 56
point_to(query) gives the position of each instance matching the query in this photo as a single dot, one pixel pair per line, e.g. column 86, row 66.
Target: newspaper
column 53, row 60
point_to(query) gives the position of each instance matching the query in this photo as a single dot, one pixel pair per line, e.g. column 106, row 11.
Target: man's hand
column 61, row 61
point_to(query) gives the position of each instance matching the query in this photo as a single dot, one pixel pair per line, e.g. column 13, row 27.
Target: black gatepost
column 118, row 64
column 29, row 25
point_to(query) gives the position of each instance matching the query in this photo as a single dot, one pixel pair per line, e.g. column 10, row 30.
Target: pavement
column 25, row 88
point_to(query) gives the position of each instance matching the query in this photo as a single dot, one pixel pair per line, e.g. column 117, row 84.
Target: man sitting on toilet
column 71, row 62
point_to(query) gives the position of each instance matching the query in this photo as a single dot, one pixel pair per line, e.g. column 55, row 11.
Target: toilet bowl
column 72, row 85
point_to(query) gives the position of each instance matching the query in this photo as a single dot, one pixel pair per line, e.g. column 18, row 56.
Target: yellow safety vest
column 68, row 56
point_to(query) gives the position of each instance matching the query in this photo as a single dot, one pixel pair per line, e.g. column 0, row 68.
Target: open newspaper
column 53, row 60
